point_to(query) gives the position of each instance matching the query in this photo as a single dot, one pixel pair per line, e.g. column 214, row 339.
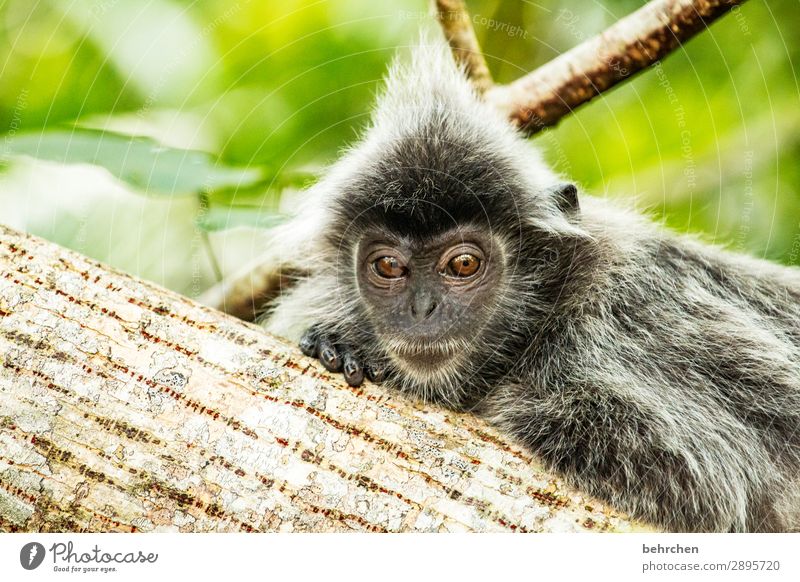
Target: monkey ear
column 566, row 198
column 563, row 217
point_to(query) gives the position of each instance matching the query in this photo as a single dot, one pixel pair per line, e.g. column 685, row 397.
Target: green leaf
column 266, row 192
column 141, row 162
column 217, row 218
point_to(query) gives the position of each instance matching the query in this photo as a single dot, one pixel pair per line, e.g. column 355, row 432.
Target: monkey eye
column 389, row 268
column 463, row 266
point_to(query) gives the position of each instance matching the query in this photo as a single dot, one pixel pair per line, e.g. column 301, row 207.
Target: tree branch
column 245, row 293
column 543, row 97
column 124, row 407
column 457, row 27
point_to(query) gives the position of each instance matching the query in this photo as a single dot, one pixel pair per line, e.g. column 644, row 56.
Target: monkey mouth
column 425, row 353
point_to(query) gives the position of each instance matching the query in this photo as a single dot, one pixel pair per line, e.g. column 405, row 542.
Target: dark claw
column 336, row 356
column 329, row 356
column 309, row 343
column 353, row 372
column 375, row 373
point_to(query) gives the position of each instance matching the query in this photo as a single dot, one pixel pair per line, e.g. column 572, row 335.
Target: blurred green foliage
column 141, row 162
column 708, row 141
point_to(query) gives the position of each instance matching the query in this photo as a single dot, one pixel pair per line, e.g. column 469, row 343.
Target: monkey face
column 428, row 298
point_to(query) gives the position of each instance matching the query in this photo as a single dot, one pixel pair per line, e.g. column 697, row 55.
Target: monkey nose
column 422, row 306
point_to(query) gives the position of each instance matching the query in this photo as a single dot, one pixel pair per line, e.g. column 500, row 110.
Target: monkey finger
column 309, row 342
column 352, row 370
column 329, row 355
column 375, row 373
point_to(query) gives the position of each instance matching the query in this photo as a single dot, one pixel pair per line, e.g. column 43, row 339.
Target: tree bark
column 125, row 407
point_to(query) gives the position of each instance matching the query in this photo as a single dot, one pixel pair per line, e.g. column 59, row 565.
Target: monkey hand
column 339, row 356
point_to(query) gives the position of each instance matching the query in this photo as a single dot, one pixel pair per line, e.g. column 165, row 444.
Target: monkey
column 441, row 256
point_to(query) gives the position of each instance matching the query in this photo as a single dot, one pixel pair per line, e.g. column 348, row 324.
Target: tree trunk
column 125, row 407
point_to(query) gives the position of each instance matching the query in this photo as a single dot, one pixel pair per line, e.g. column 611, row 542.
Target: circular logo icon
column 31, row 555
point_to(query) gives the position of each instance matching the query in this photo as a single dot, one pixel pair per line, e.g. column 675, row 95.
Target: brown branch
column 244, row 294
column 457, row 27
column 543, row 97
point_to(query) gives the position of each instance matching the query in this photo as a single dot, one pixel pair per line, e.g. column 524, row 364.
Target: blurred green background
column 237, row 104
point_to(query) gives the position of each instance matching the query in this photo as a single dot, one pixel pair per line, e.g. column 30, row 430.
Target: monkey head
column 440, row 225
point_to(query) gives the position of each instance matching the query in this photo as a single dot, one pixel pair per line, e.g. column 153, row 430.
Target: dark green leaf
column 141, row 162
column 225, row 217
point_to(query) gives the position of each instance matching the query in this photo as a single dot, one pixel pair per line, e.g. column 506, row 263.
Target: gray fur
column 653, row 371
